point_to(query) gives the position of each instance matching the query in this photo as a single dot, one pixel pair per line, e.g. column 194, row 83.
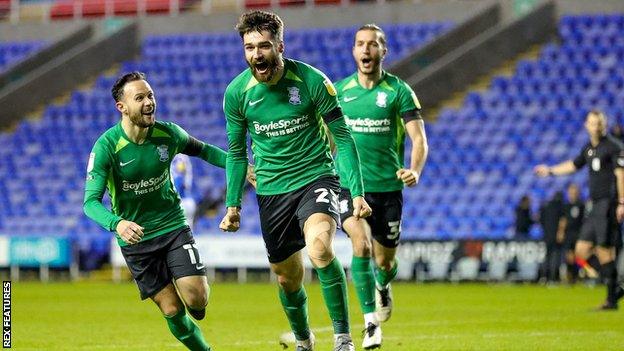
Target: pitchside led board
column 247, row 251
column 35, row 251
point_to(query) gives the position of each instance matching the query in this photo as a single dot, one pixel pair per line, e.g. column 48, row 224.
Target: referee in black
column 604, row 155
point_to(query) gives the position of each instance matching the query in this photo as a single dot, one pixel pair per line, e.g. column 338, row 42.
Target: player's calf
column 187, row 332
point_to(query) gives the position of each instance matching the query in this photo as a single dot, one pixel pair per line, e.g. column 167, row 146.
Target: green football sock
column 334, row 287
column 364, row 281
column 382, row 277
column 185, row 330
column 296, row 308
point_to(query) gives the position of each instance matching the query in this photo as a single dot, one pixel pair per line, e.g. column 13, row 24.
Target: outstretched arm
column 563, row 168
column 207, row 152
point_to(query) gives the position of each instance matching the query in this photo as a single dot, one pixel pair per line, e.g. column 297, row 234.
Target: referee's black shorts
column 601, row 226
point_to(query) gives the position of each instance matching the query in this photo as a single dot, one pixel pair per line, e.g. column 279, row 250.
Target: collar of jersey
column 381, row 79
column 126, row 137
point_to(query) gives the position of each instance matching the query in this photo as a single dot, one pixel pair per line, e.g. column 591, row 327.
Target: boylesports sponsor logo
column 145, row 186
column 282, row 127
column 368, row 125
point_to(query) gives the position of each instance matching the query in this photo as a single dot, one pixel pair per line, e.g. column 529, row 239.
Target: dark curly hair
column 258, row 21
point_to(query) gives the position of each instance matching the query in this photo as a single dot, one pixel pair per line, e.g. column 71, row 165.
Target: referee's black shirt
column 602, row 161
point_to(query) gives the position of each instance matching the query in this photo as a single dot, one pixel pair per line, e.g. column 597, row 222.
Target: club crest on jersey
column 381, row 99
column 163, row 152
column 293, row 96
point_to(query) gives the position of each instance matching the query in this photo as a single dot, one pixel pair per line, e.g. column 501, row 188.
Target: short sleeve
column 323, row 93
column 580, row 160
column 408, row 104
column 407, row 99
column 618, row 156
column 179, row 135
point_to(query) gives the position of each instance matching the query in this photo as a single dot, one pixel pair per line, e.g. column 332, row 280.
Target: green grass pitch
column 106, row 316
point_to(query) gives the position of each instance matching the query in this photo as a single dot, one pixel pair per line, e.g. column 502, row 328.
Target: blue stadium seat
column 481, row 154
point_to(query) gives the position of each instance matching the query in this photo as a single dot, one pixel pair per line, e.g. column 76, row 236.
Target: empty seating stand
column 482, row 154
column 13, row 52
column 98, row 8
column 43, row 162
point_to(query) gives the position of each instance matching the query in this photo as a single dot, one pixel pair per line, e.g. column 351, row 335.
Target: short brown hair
column 376, row 28
column 258, row 21
column 118, row 88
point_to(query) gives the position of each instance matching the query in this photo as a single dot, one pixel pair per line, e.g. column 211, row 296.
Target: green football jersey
column 374, row 117
column 289, row 144
column 137, row 178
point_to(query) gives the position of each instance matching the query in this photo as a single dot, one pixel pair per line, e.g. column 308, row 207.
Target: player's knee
column 198, row 297
column 362, row 247
column 198, row 302
column 170, row 309
column 318, row 243
column 384, row 263
column 288, row 283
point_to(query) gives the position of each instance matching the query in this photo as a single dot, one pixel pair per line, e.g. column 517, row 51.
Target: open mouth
column 148, row 113
column 262, row 67
column 366, row 62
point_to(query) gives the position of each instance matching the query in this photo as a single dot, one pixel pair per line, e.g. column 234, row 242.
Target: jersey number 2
column 324, row 193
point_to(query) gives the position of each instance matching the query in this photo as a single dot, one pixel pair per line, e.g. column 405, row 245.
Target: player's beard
column 371, row 67
column 145, row 118
column 265, row 69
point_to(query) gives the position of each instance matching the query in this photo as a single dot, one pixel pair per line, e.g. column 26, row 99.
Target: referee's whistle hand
column 130, row 232
column 231, row 220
